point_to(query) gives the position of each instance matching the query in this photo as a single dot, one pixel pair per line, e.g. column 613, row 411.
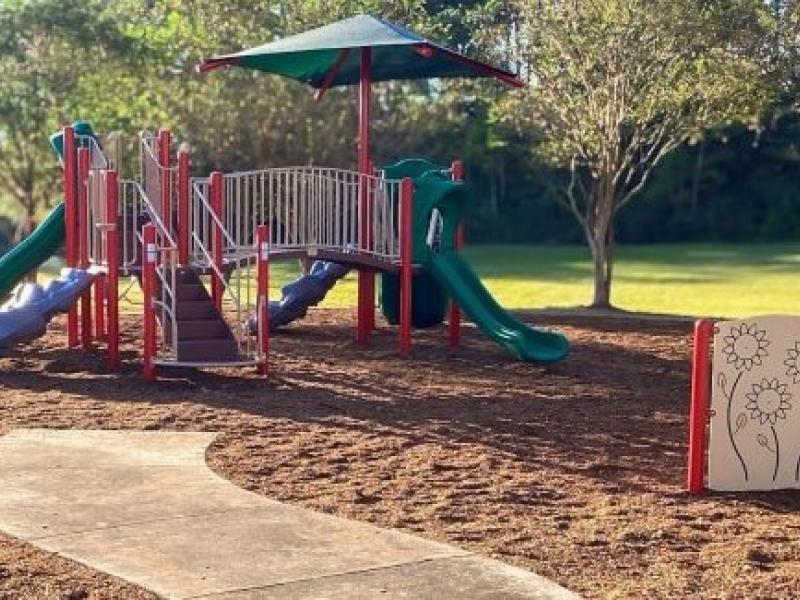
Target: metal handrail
column 203, row 217
column 146, row 141
column 160, row 227
column 213, row 215
column 169, row 247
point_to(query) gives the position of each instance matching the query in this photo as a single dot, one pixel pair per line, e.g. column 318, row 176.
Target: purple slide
column 31, row 306
column 299, row 295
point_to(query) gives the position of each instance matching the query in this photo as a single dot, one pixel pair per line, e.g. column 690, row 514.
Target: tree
column 45, row 48
column 616, row 85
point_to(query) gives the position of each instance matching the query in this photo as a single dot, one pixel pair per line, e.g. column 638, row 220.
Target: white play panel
column 755, row 405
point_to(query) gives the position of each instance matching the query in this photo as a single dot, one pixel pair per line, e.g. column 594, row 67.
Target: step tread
column 191, row 329
column 203, row 334
column 208, row 349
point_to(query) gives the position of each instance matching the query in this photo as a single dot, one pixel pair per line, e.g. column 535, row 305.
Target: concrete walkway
column 143, row 506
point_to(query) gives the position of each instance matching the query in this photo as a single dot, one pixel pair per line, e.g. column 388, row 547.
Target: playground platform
column 143, row 506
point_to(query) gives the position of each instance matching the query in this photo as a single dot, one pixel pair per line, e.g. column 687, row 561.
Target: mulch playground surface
column 574, row 470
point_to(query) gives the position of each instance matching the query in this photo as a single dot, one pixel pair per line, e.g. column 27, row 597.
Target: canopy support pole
column 331, row 76
column 366, row 279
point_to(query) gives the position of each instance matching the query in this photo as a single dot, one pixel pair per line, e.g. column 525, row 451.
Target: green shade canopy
column 328, row 56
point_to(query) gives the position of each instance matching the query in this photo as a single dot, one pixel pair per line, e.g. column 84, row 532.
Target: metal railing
column 235, row 272
column 98, row 158
column 158, row 179
column 96, row 218
column 165, row 300
column 314, row 207
column 152, row 199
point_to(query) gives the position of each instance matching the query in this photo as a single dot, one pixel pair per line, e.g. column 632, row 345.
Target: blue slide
column 26, row 314
column 299, row 295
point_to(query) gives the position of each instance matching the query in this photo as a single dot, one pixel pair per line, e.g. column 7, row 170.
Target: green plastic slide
column 522, row 341
column 435, row 191
column 31, row 252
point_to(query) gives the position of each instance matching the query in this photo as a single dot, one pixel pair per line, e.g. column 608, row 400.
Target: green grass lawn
column 698, row 279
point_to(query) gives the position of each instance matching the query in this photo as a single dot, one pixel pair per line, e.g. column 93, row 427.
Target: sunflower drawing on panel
column 791, row 362
column 767, row 402
column 745, row 346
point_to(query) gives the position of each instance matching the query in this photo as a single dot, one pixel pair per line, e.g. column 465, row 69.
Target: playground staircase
column 203, row 334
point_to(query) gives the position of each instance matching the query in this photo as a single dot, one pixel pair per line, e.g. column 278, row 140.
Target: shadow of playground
column 613, row 413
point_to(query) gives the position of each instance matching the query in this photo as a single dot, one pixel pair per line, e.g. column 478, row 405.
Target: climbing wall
column 755, row 405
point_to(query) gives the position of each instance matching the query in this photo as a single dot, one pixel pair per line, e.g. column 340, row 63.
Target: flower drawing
column 792, row 370
column 768, row 401
column 745, row 346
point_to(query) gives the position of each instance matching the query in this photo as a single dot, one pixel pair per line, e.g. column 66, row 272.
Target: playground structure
column 172, row 231
column 201, row 247
column 744, row 425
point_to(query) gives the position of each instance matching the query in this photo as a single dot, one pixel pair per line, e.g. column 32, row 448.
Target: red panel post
column 698, row 411
column 164, row 161
column 454, row 322
column 84, row 162
column 183, row 206
column 112, row 278
column 406, row 262
column 217, row 240
column 366, row 279
column 71, row 220
column 262, row 296
column 149, row 258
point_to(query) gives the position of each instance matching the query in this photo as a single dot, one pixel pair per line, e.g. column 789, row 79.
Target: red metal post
column 366, row 279
column 183, row 207
column 149, row 258
column 217, row 240
column 112, row 277
column 698, row 411
column 454, row 322
column 164, row 161
column 71, row 220
column 84, row 163
column 406, row 262
column 262, row 295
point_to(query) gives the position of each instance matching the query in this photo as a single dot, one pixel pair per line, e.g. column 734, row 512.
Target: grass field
column 714, row 280
column 702, row 279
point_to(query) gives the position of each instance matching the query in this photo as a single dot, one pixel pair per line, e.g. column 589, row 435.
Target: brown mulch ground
column 573, row 470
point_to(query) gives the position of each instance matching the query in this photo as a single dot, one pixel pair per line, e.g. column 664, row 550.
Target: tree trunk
column 698, row 172
column 601, row 262
column 24, row 227
column 601, row 243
